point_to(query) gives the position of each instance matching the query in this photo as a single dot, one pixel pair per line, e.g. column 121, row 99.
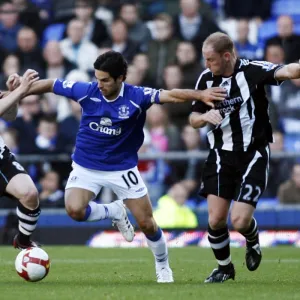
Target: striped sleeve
column 198, row 106
column 263, row 72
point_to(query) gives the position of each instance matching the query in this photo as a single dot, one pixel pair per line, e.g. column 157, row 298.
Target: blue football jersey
column 111, row 131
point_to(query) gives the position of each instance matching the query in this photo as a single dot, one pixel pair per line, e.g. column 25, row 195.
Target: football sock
column 27, row 222
column 220, row 244
column 96, row 212
column 157, row 244
column 251, row 234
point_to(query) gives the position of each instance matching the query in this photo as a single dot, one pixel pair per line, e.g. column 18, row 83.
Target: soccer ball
column 32, row 264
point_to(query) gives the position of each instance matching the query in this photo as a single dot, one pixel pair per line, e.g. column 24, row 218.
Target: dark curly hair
column 113, row 63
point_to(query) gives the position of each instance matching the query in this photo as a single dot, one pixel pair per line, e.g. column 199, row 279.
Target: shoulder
column 204, row 76
column 93, row 87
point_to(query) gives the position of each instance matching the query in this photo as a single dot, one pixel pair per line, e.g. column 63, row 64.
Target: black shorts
column 239, row 176
column 9, row 167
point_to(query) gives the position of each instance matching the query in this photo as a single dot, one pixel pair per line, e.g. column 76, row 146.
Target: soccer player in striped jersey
column 14, row 180
column 109, row 137
column 238, row 162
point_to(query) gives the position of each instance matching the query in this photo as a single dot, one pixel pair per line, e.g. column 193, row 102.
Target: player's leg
column 243, row 221
column 253, row 181
column 28, row 210
column 15, row 181
column 141, row 209
column 218, row 186
column 82, row 186
column 218, row 236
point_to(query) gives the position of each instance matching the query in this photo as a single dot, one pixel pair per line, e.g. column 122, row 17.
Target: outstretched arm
column 290, row 71
column 37, row 88
column 8, row 104
column 206, row 96
column 41, row 87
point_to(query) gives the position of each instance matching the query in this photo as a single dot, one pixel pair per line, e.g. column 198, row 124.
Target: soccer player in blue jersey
column 108, row 140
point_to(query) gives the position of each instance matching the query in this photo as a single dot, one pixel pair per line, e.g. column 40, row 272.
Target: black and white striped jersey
column 245, row 109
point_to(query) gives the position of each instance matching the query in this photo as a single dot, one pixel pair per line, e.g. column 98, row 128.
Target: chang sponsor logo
column 104, row 129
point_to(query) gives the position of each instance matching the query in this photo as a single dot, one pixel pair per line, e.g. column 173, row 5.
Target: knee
column 147, row 225
column 30, row 198
column 75, row 212
column 217, row 222
column 240, row 223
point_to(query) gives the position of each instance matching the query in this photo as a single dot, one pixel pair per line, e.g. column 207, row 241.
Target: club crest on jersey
column 105, row 121
column 123, row 112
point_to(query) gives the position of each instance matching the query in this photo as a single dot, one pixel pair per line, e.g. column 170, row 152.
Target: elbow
column 193, row 122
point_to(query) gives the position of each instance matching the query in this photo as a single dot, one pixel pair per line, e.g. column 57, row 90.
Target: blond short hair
column 220, row 42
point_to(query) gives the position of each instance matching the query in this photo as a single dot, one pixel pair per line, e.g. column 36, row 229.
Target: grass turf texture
column 85, row 273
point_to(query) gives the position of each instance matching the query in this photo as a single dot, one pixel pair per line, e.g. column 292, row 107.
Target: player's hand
column 29, row 77
column 213, row 94
column 13, row 81
column 213, row 117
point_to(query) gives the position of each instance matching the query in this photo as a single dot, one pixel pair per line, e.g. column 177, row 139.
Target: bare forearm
column 9, row 104
column 41, row 87
column 183, row 95
column 290, row 71
column 196, row 120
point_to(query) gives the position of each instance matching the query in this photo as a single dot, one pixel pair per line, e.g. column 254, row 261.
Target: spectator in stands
column 120, row 41
column 172, row 212
column 137, row 30
column 56, row 67
column 287, row 39
column 10, row 65
column 76, row 50
column 289, row 192
column 133, row 77
column 189, row 63
column 26, row 123
column 164, row 135
column 279, row 168
column 190, row 170
column 28, row 52
column 260, row 10
column 173, row 79
column 105, row 12
column 289, row 107
column 48, row 140
column 274, row 54
column 244, row 48
column 95, row 30
column 141, row 62
column 9, row 25
column 50, row 194
column 69, row 126
column 162, row 50
column 29, row 15
column 154, row 172
column 191, row 26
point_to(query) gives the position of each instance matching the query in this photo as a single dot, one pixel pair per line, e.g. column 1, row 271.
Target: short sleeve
column 263, row 72
column 199, row 106
column 71, row 89
column 148, row 96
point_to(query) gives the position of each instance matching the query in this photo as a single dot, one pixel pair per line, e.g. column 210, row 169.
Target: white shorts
column 127, row 184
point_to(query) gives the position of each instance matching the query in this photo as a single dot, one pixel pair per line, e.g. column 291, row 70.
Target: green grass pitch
column 85, row 273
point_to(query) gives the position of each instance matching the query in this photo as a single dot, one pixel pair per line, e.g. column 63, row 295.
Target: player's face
column 109, row 87
column 214, row 61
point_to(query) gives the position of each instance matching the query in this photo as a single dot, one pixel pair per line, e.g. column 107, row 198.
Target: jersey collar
column 121, row 94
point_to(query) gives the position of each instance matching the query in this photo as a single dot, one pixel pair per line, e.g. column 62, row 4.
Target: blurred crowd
column 161, row 40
